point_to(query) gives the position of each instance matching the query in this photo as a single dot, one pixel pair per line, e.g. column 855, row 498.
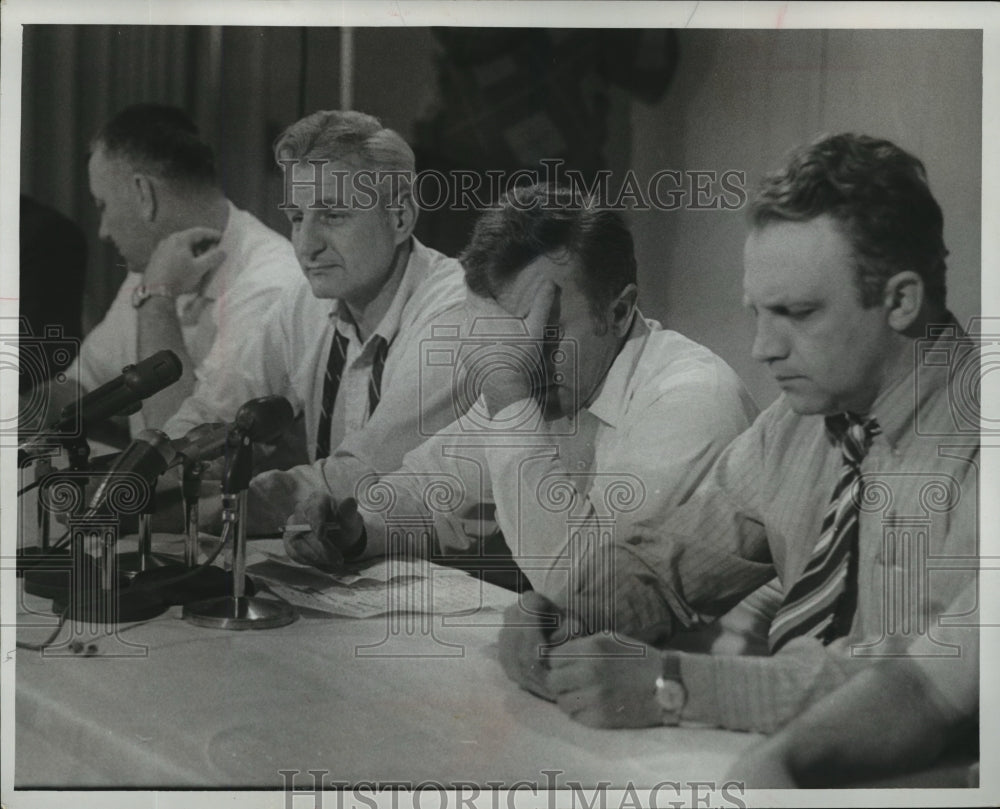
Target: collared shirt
column 666, row 408
column 214, row 321
column 759, row 512
column 286, row 355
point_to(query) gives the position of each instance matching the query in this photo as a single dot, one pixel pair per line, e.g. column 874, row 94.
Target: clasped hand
column 182, row 259
column 597, row 680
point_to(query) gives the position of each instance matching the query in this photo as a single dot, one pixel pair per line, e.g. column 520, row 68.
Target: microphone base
column 208, row 583
column 50, row 573
column 130, row 563
column 122, row 604
column 240, row 613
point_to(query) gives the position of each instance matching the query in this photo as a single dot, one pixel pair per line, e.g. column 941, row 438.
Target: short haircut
column 160, row 140
column 537, row 220
column 346, row 135
column 879, row 196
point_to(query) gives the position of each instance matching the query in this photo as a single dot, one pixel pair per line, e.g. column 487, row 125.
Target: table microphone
column 258, row 420
column 122, row 395
column 111, row 599
column 148, row 456
column 262, row 419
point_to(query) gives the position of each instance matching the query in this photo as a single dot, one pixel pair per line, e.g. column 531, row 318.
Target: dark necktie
column 822, row 602
column 331, row 384
column 375, row 382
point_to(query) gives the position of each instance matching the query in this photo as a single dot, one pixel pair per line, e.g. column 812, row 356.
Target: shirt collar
column 609, row 404
column 417, row 268
column 214, row 287
column 896, row 408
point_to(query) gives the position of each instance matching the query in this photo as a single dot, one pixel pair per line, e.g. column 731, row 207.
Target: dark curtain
column 240, row 85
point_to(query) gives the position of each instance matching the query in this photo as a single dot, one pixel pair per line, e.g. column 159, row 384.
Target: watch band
column 142, row 293
column 671, row 695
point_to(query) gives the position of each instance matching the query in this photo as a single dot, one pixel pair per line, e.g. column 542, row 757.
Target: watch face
column 670, row 694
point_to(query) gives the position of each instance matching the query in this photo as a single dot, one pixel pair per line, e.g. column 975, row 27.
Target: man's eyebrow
column 329, row 200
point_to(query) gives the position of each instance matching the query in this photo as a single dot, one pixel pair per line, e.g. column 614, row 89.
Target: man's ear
column 145, row 196
column 403, row 214
column 904, row 300
column 622, row 310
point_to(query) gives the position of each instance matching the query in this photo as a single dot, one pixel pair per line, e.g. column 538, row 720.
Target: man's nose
column 308, row 240
column 769, row 342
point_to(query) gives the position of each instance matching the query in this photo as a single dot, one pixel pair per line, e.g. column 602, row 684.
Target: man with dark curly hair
column 847, row 488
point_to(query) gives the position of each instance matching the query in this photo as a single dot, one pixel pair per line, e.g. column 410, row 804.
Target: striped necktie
column 331, row 384
column 375, row 382
column 823, row 600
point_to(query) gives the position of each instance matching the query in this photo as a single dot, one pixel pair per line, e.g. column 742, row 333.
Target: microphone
column 206, row 442
column 122, row 395
column 260, row 420
column 148, row 456
column 136, row 382
column 264, row 419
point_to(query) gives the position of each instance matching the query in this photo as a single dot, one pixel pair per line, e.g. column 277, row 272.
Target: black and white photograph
column 498, row 404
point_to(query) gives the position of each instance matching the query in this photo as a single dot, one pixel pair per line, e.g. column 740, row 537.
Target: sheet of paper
column 279, row 565
column 376, row 588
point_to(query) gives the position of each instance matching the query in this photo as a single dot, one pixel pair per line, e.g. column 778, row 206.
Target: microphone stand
column 107, row 598
column 238, row 611
column 192, row 472
column 51, row 572
column 47, row 572
column 103, row 595
column 181, row 583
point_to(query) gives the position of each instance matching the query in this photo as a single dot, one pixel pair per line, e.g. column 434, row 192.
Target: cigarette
column 297, row 528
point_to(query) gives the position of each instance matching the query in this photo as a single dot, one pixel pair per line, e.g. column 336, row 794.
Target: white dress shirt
column 286, row 355
column 215, row 320
column 667, row 407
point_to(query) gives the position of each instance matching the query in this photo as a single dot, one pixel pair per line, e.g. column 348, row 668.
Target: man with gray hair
column 343, row 345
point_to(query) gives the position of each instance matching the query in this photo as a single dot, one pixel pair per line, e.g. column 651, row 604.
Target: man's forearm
column 159, row 329
column 879, row 723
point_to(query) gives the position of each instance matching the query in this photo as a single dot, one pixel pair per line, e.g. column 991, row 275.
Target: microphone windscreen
column 264, row 419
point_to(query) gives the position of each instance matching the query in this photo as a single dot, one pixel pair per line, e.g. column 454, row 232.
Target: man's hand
column 531, row 627
column 594, row 682
column 512, row 369
column 182, row 259
column 334, row 529
column 764, row 766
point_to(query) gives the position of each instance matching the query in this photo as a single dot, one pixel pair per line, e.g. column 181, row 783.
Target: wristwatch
column 141, row 294
column 671, row 695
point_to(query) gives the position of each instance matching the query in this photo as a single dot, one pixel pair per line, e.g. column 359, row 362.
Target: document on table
column 385, row 586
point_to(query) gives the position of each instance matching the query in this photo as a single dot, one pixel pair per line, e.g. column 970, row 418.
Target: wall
column 242, row 85
column 741, row 99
